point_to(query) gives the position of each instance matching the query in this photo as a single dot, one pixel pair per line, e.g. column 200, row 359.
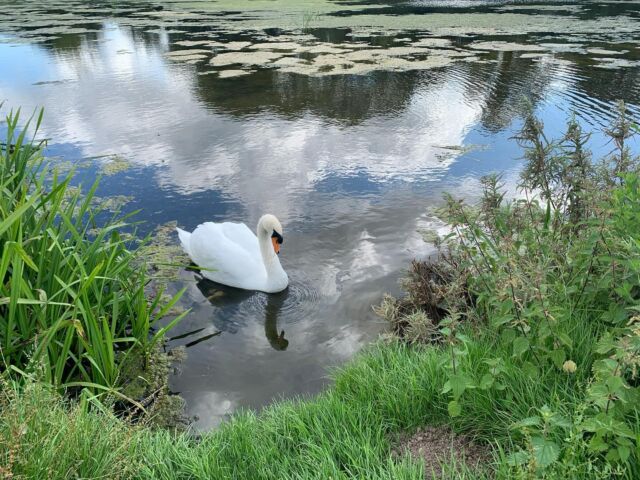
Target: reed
column 72, row 295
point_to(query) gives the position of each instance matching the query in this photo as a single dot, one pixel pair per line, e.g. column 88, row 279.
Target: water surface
column 347, row 120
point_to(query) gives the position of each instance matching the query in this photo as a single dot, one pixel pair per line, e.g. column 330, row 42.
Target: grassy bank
column 347, row 432
column 523, row 334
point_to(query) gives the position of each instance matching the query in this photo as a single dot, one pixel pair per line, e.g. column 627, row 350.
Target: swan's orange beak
column 276, row 245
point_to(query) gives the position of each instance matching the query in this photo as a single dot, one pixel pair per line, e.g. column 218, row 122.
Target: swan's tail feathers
column 185, row 238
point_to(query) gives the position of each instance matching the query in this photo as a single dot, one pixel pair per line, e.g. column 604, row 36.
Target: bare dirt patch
column 440, row 446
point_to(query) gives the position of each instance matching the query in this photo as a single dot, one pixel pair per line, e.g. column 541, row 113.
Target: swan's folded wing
column 240, row 234
column 226, row 259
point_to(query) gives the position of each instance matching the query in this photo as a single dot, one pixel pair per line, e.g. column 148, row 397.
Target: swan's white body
column 232, row 255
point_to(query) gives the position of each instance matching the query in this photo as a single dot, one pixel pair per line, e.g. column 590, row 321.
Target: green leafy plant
column 554, row 277
column 72, row 293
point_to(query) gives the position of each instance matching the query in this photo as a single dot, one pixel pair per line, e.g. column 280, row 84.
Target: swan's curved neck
column 269, row 257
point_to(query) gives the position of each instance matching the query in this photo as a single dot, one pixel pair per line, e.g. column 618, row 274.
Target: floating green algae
column 112, row 203
column 616, row 63
column 186, row 53
column 193, row 58
column 244, row 58
column 505, row 47
column 192, row 43
column 163, row 254
column 534, row 55
column 603, row 51
column 234, row 73
column 114, row 164
column 275, row 46
column 204, row 24
column 235, row 45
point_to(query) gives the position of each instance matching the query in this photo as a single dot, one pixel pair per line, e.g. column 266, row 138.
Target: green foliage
column 555, row 277
column 72, row 294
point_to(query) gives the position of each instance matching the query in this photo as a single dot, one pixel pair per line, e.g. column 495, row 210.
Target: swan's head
column 270, row 224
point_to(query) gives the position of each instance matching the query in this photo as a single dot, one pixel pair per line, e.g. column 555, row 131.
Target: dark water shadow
column 197, row 340
column 222, row 296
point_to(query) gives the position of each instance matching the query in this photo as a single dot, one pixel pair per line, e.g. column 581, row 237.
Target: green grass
column 43, row 436
column 343, row 433
column 346, row 432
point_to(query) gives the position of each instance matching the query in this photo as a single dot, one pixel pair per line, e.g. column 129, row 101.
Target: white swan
column 232, row 255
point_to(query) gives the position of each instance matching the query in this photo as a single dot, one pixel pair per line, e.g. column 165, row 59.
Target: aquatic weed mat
column 290, row 36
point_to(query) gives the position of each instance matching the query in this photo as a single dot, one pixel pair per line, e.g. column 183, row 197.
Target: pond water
column 347, row 120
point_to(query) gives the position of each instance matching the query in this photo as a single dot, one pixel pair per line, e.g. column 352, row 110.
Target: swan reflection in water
column 222, row 296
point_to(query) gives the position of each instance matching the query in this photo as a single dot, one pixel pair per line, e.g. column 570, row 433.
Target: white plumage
column 230, row 253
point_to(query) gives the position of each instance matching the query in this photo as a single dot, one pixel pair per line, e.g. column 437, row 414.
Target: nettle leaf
column 518, row 458
column 558, row 357
column 624, row 442
column 622, row 430
column 565, row 339
column 623, row 453
column 534, row 421
column 520, row 345
column 462, row 337
column 616, row 314
column 605, row 424
column 496, row 365
column 446, row 388
column 457, row 384
column 589, row 425
column 605, row 367
column 606, row 344
column 486, row 382
column 546, row 412
column 545, row 451
column 624, row 291
column 560, row 421
column 597, row 444
column 598, row 393
column 615, row 385
column 612, row 456
column 508, row 335
column 500, row 320
column 454, row 408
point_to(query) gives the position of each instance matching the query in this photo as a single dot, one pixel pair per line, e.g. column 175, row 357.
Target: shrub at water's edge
column 73, row 307
column 523, row 336
column 554, row 278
